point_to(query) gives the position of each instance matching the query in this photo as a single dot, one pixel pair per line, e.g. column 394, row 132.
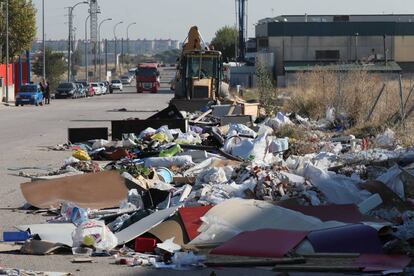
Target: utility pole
column 122, row 55
column 86, row 49
column 7, row 51
column 44, row 42
column 106, row 55
column 69, row 43
column 70, row 37
column 241, row 11
column 94, row 10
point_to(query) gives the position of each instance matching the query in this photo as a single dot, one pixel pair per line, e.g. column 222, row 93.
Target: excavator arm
column 193, row 40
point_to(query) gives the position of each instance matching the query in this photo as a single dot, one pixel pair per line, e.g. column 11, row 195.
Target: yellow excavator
column 199, row 77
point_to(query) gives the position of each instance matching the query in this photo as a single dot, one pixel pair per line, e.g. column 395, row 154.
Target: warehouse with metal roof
column 298, row 42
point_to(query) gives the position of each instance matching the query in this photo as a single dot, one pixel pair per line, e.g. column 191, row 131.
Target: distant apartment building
column 132, row 47
column 300, row 41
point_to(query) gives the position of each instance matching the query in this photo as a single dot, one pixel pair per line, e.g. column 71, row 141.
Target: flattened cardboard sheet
column 52, row 232
column 93, row 190
column 267, row 243
column 169, row 229
column 36, row 247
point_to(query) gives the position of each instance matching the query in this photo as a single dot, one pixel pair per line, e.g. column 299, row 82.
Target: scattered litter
column 283, row 191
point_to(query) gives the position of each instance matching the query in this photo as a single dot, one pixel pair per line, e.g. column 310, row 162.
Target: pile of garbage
column 234, row 194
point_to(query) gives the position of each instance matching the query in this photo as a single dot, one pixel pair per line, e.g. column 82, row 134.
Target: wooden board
column 238, row 261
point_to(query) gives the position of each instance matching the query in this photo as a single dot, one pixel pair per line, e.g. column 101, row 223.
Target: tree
column 267, row 95
column 76, row 61
column 55, row 67
column 22, row 27
column 225, row 41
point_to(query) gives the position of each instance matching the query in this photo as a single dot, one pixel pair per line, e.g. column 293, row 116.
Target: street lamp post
column 86, row 49
column 70, row 37
column 127, row 34
column 99, row 45
column 116, row 59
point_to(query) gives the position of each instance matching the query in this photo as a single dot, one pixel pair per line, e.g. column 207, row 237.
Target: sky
column 164, row 19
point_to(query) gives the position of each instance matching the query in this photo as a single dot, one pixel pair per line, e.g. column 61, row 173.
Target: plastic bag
column 278, row 121
column 187, row 260
column 160, row 137
column 171, row 151
column 330, row 114
column 279, row 145
column 387, row 139
column 94, row 233
column 69, row 161
column 190, row 138
column 100, row 143
column 147, row 132
column 71, row 212
column 118, row 222
column 242, row 130
column 81, row 155
column 135, row 199
column 179, row 161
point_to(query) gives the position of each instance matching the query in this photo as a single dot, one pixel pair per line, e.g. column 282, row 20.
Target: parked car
column 80, row 91
column 90, row 92
column 109, row 87
column 126, row 80
column 29, row 94
column 104, row 89
column 117, row 85
column 96, row 88
column 85, row 88
column 132, row 71
column 66, row 90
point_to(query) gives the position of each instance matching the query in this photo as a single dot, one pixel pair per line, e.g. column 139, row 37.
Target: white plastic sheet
column 393, row 181
column 278, row 121
column 337, row 189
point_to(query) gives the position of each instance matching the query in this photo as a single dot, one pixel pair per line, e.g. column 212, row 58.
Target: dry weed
column 353, row 94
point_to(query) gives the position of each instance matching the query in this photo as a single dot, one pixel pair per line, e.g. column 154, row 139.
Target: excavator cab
column 199, row 75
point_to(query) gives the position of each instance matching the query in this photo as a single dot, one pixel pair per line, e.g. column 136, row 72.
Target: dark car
column 66, row 90
column 29, row 94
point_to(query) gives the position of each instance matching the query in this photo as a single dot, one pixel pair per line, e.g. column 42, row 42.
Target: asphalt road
column 25, row 134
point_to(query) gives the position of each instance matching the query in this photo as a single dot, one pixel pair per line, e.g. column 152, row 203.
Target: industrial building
column 298, row 42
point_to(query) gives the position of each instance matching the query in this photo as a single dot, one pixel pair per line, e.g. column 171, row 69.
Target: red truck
column 148, row 78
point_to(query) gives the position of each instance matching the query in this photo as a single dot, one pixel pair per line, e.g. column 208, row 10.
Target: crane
column 241, row 14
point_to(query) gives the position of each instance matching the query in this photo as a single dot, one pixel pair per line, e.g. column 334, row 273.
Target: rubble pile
column 216, row 194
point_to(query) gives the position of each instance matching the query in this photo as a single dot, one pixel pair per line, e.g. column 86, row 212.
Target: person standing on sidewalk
column 45, row 87
column 47, row 93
